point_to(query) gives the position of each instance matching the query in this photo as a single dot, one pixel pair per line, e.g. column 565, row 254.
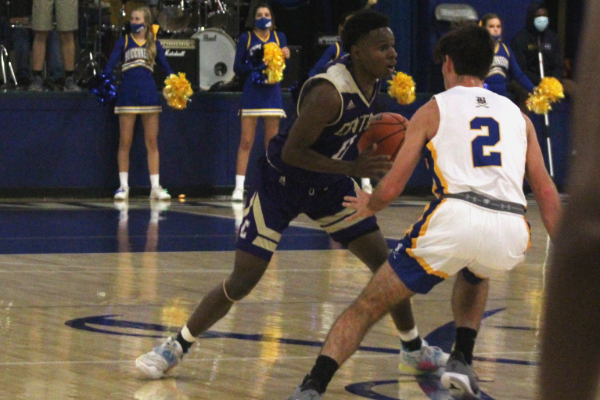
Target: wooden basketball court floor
column 87, row 286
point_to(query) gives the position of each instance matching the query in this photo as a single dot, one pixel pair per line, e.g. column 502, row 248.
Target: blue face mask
column 262, row 23
column 540, row 23
column 137, row 28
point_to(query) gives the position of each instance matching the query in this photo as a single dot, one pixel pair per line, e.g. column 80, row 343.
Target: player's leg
column 246, row 141
column 271, row 125
column 267, row 215
column 384, row 291
column 247, row 272
column 365, row 240
column 468, row 305
column 372, row 249
column 126, row 125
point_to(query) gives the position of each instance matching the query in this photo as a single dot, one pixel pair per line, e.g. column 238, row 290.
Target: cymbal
column 173, row 19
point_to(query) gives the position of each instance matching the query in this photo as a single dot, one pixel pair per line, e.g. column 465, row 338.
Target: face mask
column 496, row 37
column 541, row 23
column 137, row 28
column 262, row 23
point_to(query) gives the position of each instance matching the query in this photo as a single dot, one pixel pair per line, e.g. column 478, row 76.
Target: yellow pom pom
column 402, row 88
column 177, row 91
column 275, row 62
column 552, row 89
column 538, row 104
column 549, row 91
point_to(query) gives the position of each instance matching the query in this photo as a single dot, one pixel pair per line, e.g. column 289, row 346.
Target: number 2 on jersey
column 493, row 158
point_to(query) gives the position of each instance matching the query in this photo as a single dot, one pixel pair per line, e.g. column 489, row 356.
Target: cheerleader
column 138, row 52
column 504, row 64
column 258, row 98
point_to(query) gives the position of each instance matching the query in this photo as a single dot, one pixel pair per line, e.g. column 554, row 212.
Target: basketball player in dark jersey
column 307, row 170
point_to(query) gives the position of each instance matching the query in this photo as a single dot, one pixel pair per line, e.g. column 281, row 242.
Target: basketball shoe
column 459, row 378
column 161, row 359
column 426, row 360
column 122, row 193
column 159, row 193
column 306, row 391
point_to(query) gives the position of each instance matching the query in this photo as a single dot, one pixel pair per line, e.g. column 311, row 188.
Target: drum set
column 214, row 23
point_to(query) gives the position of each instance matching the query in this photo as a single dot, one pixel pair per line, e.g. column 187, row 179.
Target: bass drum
column 216, row 52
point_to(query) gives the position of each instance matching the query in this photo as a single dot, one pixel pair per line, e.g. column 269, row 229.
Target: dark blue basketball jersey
column 339, row 139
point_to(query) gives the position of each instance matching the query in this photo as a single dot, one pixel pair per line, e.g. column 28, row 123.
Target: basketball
column 387, row 130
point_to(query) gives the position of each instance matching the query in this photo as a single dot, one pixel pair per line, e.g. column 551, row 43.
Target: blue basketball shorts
column 456, row 236
column 275, row 200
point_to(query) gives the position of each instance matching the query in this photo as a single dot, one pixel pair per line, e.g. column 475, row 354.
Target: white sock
column 124, row 178
column 239, row 181
column 187, row 336
column 154, row 181
column 407, row 336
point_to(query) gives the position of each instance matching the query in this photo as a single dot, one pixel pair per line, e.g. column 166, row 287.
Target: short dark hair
column 489, row 16
column 471, row 49
column 360, row 24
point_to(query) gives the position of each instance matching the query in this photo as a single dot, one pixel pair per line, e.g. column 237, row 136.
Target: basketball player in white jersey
column 478, row 147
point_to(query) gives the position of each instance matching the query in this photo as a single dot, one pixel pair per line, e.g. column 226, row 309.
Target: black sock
column 465, row 342
column 412, row 345
column 68, row 73
column 322, row 372
column 185, row 345
column 37, row 73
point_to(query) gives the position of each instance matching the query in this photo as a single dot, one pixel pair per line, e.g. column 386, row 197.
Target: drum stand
column 92, row 56
column 5, row 62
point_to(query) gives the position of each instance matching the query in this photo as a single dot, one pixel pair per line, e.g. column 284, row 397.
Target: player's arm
column 422, row 127
column 543, row 187
column 321, row 106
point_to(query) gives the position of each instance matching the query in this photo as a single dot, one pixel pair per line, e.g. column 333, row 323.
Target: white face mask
column 540, row 23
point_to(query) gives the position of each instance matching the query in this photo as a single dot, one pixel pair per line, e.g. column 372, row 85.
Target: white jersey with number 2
column 480, row 145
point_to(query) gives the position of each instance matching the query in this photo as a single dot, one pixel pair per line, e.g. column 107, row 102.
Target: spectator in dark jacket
column 536, row 35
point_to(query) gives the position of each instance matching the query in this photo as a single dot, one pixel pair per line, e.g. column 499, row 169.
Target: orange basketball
column 387, row 130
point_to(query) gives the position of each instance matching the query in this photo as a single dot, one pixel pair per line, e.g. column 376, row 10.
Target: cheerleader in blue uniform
column 258, row 99
column 138, row 52
column 504, row 65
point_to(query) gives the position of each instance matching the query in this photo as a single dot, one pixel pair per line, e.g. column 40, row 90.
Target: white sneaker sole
column 149, row 372
column 459, row 386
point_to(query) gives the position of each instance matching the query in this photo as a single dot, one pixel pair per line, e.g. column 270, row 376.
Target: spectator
column 533, row 37
column 66, row 25
column 21, row 35
column 258, row 99
column 504, row 65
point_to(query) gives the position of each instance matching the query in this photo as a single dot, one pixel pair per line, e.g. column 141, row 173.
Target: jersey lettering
column 482, row 156
column 354, row 126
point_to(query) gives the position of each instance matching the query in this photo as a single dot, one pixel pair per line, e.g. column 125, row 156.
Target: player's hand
column 359, row 203
column 286, row 52
column 369, row 166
